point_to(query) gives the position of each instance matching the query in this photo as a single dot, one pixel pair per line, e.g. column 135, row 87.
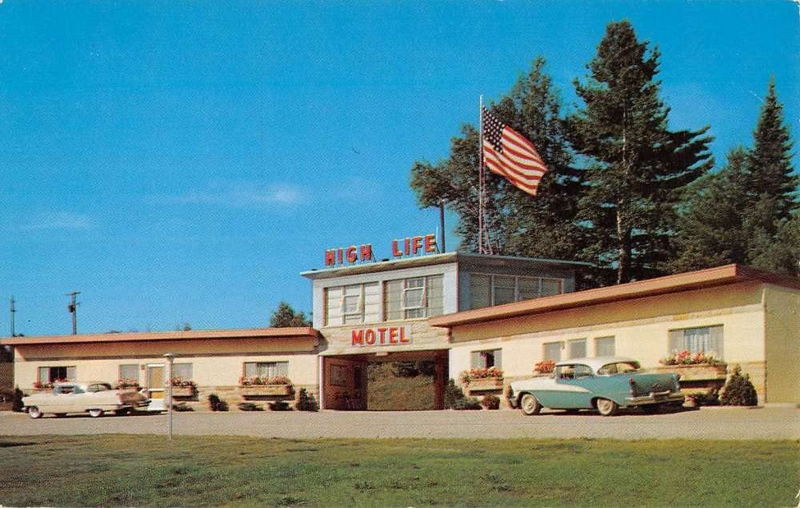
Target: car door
column 574, row 386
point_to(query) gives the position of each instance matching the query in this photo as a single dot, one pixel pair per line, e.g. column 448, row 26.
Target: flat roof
column 432, row 259
column 722, row 275
column 254, row 333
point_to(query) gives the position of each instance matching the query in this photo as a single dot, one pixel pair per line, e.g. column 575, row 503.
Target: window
column 552, row 351
column 182, row 371
column 486, row 359
column 573, row 371
column 129, row 372
column 266, row 369
column 52, row 374
column 487, row 290
column 417, row 297
column 352, row 304
column 604, row 346
column 577, row 348
column 707, row 340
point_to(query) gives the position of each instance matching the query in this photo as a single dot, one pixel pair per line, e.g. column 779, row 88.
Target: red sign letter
column 366, row 252
column 369, row 336
column 430, row 243
column 358, row 337
column 351, row 255
column 403, row 338
column 330, row 257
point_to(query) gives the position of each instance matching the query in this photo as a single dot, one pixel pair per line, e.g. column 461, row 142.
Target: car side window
column 77, row 389
column 582, row 371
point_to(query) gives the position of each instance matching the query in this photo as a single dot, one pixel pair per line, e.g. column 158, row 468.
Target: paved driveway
column 706, row 423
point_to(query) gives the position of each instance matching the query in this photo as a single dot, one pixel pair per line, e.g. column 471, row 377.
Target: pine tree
column 773, row 184
column 517, row 223
column 286, row 317
column 711, row 223
column 638, row 166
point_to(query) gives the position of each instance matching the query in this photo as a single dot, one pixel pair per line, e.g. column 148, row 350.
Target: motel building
column 455, row 311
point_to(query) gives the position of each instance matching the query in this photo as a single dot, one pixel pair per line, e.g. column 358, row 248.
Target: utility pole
column 12, row 311
column 73, row 309
column 441, row 225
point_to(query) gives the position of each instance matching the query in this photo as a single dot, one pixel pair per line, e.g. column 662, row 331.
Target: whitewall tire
column 529, row 405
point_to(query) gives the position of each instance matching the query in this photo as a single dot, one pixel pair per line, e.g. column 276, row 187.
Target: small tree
column 16, row 402
column 306, row 402
column 452, row 394
column 739, row 391
column 286, row 317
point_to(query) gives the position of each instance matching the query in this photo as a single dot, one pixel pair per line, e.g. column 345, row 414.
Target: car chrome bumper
column 655, row 398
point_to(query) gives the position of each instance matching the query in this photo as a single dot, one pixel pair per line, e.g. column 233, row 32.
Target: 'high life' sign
column 383, row 336
column 409, row 246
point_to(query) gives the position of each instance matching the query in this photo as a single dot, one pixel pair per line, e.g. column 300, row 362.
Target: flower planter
column 182, row 391
column 696, row 372
column 485, row 384
column 267, row 390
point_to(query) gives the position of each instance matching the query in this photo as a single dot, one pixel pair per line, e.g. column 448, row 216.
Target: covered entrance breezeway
column 385, row 381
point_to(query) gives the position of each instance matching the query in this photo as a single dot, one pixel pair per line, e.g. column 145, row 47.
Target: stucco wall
column 783, row 344
column 640, row 327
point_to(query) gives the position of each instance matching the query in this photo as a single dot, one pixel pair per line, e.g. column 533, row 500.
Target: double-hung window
column 266, row 369
column 577, row 348
column 415, row 297
column 48, row 375
column 552, row 351
column 486, row 359
column 352, row 304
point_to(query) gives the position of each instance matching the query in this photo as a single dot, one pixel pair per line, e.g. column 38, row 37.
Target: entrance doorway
column 155, row 386
column 390, row 382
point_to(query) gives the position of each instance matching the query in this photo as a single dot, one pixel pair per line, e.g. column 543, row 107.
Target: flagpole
column 480, row 176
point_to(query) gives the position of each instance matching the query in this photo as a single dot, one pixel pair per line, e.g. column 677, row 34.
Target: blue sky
column 181, row 162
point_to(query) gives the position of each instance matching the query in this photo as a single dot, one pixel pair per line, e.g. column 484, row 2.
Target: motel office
column 457, row 311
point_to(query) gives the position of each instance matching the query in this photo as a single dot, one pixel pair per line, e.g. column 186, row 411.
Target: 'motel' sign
column 384, row 336
column 409, row 246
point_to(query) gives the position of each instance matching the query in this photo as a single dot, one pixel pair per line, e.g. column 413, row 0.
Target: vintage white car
column 604, row 383
column 94, row 397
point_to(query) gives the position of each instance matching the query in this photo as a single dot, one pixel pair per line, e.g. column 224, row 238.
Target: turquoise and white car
column 603, row 383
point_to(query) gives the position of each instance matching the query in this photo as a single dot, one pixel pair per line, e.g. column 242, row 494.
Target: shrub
column 306, row 402
column 249, row 406
column 491, row 402
column 467, row 403
column 452, row 394
column 182, row 407
column 739, row 391
column 217, row 404
column 279, row 405
column 711, row 398
column 16, row 402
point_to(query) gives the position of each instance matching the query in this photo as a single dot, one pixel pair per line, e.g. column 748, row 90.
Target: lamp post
column 170, row 359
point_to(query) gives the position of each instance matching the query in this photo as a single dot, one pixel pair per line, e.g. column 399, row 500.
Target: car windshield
column 618, row 368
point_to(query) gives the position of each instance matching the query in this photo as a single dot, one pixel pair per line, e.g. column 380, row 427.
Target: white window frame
column 517, row 278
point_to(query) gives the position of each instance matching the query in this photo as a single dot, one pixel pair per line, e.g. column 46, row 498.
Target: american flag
column 507, row 153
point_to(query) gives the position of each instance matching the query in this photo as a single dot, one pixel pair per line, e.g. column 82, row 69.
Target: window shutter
column 717, row 341
column 498, row 358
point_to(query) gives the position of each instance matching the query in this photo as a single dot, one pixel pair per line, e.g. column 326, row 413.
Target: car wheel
column 607, row 407
column 34, row 412
column 530, row 405
column 94, row 413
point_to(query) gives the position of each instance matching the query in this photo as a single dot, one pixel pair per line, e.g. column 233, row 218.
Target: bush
column 710, row 398
column 279, row 405
column 739, row 391
column 491, row 402
column 16, row 401
column 217, row 404
column 467, row 403
column 452, row 394
column 182, row 407
column 306, row 402
column 249, row 406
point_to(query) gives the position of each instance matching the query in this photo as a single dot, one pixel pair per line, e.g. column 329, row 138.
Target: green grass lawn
column 148, row 470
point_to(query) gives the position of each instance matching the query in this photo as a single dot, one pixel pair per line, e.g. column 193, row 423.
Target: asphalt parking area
column 705, row 423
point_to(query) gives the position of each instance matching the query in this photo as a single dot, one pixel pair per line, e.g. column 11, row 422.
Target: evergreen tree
column 711, row 225
column 638, row 166
column 517, row 223
column 286, row 317
column 772, row 182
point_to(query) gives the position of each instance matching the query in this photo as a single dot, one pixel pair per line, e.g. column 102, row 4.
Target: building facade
column 379, row 312
column 739, row 315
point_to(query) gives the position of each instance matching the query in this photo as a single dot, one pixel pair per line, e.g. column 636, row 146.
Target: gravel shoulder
column 706, row 423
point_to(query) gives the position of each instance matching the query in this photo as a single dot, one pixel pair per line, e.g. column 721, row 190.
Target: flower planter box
column 485, row 384
column 697, row 372
column 182, row 391
column 267, row 390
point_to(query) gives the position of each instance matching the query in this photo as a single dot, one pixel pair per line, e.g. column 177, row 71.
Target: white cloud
column 238, row 194
column 58, row 220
